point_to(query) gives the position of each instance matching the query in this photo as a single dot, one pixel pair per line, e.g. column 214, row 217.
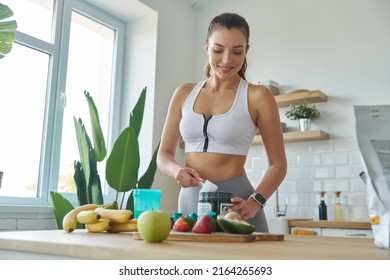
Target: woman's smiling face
column 226, row 49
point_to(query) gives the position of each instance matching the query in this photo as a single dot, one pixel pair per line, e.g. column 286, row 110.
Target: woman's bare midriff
column 216, row 167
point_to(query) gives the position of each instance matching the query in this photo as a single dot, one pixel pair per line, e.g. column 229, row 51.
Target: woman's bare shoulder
column 181, row 93
column 260, row 93
column 183, row 90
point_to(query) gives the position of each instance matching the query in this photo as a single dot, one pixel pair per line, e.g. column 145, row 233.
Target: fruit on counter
column 234, row 226
column 99, row 226
column 233, row 216
column 184, row 224
column 205, row 224
column 69, row 223
column 88, row 217
column 124, row 227
column 115, row 215
column 154, row 225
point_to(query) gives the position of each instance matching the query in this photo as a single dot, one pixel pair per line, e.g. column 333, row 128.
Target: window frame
column 56, row 94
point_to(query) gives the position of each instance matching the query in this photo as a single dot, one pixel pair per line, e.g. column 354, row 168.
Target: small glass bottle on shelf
column 322, row 207
column 338, row 209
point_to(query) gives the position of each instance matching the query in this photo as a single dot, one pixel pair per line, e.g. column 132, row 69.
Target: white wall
column 174, row 65
column 339, row 47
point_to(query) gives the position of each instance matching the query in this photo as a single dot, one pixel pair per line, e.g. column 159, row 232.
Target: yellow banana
column 124, row 227
column 69, row 222
column 115, row 215
column 88, row 217
column 101, row 225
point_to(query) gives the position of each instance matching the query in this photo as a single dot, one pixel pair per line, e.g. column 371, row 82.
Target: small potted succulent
column 305, row 113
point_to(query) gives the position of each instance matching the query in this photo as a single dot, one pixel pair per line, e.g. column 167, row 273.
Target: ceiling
column 125, row 9
column 132, row 9
column 198, row 3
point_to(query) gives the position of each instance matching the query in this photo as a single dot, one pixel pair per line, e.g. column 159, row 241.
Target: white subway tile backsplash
column 289, row 186
column 322, row 172
column 296, row 148
column 356, row 199
column 304, row 186
column 355, row 157
column 326, row 165
column 309, row 160
column 259, row 163
column 345, row 171
column 307, row 212
column 357, row 185
column 36, row 224
column 347, row 144
column 334, row 158
column 336, row 185
column 291, row 161
column 321, row 146
column 297, row 173
column 8, row 224
column 19, row 218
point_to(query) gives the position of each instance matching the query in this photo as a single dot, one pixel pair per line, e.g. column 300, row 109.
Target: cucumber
column 234, row 226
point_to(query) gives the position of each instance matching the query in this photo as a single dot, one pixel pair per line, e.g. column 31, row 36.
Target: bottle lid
column 322, row 194
column 337, row 193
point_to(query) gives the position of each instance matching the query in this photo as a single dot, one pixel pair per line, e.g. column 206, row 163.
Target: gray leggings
column 239, row 186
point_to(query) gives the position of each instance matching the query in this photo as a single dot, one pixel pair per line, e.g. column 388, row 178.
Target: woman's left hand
column 246, row 208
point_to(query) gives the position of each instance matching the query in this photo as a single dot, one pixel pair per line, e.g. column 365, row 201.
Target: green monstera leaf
column 7, row 27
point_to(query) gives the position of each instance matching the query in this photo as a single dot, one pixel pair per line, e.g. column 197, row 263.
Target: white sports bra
column 228, row 133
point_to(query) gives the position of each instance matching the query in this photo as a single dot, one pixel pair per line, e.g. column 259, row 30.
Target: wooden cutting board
column 220, row 237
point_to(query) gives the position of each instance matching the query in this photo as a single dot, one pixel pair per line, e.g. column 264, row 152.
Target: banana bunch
column 98, row 218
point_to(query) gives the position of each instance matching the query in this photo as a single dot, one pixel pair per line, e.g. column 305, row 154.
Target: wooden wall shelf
column 297, row 136
column 312, row 96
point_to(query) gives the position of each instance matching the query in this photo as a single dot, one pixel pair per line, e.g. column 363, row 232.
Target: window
column 62, row 48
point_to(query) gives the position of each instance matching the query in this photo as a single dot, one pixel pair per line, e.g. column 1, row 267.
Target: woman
column 217, row 119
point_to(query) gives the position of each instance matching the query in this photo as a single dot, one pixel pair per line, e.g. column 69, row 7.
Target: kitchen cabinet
column 344, row 232
column 339, row 232
column 337, row 229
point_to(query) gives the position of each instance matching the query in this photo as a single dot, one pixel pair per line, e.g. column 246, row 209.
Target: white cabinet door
column 341, row 232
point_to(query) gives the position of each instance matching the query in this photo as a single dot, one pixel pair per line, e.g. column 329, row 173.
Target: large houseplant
column 7, row 28
column 121, row 167
column 303, row 112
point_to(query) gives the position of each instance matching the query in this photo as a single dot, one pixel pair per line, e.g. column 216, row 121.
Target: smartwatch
column 259, row 199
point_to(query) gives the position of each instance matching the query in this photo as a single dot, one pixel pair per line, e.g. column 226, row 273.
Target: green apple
column 154, row 225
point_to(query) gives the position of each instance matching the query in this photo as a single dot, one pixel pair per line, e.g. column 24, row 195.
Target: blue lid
column 147, row 192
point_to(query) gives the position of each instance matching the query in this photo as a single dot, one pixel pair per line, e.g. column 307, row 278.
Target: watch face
column 260, row 198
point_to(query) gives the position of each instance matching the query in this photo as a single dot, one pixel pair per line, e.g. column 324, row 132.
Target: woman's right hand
column 188, row 177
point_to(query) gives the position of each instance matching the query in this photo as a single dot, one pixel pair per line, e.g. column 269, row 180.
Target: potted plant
column 121, row 167
column 7, row 28
column 303, row 112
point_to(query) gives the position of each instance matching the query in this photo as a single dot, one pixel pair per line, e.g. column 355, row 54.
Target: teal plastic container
column 146, row 199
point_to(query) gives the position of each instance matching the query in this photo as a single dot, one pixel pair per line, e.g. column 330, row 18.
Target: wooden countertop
column 329, row 224
column 81, row 244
